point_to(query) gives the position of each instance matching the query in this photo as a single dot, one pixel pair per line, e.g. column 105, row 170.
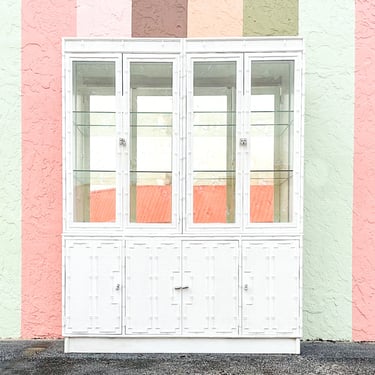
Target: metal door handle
column 181, row 287
column 243, row 141
column 122, row 142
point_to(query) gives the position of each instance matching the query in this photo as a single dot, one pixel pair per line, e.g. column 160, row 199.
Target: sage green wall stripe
column 10, row 167
column 270, row 17
column 329, row 128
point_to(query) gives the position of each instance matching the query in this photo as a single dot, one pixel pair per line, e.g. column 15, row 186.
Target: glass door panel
column 94, row 141
column 271, row 152
column 151, row 134
column 214, row 142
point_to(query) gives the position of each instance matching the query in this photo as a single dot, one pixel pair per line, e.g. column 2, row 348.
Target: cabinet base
column 181, row 345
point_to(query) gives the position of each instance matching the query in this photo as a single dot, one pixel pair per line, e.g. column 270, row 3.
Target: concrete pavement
column 46, row 357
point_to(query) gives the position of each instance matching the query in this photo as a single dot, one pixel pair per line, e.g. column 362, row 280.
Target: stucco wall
column 44, row 23
column 104, row 18
column 215, row 18
column 364, row 173
column 270, row 17
column 329, row 124
column 329, row 132
column 10, row 167
column 159, row 18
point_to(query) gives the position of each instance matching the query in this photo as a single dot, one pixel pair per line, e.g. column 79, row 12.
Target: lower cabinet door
column 210, row 288
column 270, row 288
column 153, row 300
column 92, row 287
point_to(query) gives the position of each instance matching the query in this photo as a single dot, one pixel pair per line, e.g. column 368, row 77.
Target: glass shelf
column 82, row 118
column 155, row 119
column 94, row 170
column 214, row 118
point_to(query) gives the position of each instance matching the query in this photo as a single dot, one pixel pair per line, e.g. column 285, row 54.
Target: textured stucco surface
column 103, row 18
column 159, row 18
column 270, row 17
column 329, row 123
column 44, row 23
column 364, row 175
column 10, row 167
column 215, row 18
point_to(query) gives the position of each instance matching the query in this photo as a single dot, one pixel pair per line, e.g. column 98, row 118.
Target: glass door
column 269, row 187
column 92, row 141
column 151, row 97
column 214, row 91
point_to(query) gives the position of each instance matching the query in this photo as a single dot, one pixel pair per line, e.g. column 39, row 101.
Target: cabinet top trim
column 188, row 45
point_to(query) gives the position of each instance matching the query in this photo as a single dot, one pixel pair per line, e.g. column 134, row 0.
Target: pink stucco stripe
column 44, row 23
column 103, row 18
column 364, row 175
column 215, row 18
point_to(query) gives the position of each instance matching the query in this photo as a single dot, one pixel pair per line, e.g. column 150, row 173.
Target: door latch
column 243, row 141
column 118, row 287
column 122, row 142
column 181, row 287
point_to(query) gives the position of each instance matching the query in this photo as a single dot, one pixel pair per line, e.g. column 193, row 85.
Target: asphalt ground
column 46, row 357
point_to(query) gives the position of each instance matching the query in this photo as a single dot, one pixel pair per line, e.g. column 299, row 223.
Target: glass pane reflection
column 214, row 142
column 272, row 104
column 151, row 121
column 94, row 141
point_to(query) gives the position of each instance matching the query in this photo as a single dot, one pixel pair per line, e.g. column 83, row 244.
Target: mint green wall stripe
column 329, row 127
column 10, row 167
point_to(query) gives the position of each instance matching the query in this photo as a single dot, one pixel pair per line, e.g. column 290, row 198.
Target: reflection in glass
column 95, row 196
column 94, row 141
column 271, row 141
column 214, row 142
column 151, row 121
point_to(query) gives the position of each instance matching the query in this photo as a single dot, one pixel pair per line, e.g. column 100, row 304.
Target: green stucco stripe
column 270, row 17
column 329, row 127
column 10, row 167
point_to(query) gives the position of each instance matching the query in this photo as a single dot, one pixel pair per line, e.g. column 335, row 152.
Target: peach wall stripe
column 44, row 23
column 103, row 18
column 215, row 18
column 364, row 175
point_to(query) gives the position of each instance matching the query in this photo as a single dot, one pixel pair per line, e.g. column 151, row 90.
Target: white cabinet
column 183, row 194
column 210, row 276
column 271, row 287
column 196, row 294
column 92, row 287
column 153, row 305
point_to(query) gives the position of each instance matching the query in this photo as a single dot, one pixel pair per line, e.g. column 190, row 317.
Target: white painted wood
column 194, row 45
column 93, row 287
column 244, row 299
column 181, row 345
column 153, row 305
column 285, row 255
column 270, row 288
column 210, row 302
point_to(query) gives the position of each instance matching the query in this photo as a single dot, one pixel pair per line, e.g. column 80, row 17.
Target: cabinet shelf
column 94, row 118
column 93, row 171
